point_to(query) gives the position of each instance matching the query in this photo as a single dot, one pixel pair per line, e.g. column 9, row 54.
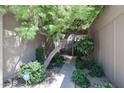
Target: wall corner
column 1, row 51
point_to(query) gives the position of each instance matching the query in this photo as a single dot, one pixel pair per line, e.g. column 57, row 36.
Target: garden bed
column 52, row 76
column 18, row 83
column 94, row 81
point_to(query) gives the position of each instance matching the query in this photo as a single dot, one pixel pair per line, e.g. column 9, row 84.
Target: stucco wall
column 108, row 33
column 15, row 49
column 1, row 52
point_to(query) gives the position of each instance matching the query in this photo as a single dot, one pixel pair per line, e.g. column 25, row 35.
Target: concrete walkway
column 67, row 71
column 63, row 78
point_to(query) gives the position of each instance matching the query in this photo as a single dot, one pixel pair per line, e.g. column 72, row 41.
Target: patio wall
column 15, row 49
column 108, row 33
column 1, row 53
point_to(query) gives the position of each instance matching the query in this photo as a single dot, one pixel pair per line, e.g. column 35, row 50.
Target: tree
column 52, row 20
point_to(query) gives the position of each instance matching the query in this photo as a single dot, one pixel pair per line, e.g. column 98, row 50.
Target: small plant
column 36, row 72
column 40, row 55
column 56, row 61
column 85, row 46
column 96, row 70
column 80, row 78
column 80, row 63
column 90, row 64
column 84, row 63
column 104, row 85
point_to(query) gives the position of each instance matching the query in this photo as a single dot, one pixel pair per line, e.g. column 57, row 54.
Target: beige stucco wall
column 1, row 52
column 15, row 49
column 108, row 33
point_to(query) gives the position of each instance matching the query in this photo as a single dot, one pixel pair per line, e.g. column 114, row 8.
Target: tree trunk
column 52, row 54
column 57, row 49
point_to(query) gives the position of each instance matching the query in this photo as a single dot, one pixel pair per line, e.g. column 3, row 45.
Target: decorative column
column 1, row 52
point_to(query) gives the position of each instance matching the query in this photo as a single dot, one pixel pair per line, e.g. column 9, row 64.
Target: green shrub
column 80, row 63
column 84, row 63
column 104, row 85
column 91, row 63
column 96, row 70
column 40, row 55
column 56, row 61
column 80, row 78
column 36, row 72
column 85, row 46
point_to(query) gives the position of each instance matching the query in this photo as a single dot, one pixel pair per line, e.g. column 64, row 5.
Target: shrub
column 80, row 63
column 91, row 63
column 85, row 46
column 80, row 78
column 104, row 85
column 56, row 61
column 97, row 71
column 40, row 55
column 84, row 63
column 36, row 72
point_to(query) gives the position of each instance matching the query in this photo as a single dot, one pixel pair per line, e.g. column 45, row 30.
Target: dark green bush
column 85, row 46
column 84, row 63
column 40, row 54
column 96, row 70
column 104, row 85
column 56, row 61
column 91, row 63
column 36, row 72
column 80, row 63
column 80, row 78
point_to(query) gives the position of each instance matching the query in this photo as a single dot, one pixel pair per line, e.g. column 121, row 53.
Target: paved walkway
column 61, row 79
column 67, row 71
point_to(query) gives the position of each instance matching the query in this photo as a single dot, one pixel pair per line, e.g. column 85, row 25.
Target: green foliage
column 80, row 78
column 85, row 13
column 22, row 12
column 91, row 63
column 40, row 54
column 84, row 63
column 80, row 63
column 104, row 85
column 85, row 46
column 56, row 61
column 53, row 20
column 3, row 9
column 92, row 13
column 97, row 71
column 26, row 31
column 36, row 72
